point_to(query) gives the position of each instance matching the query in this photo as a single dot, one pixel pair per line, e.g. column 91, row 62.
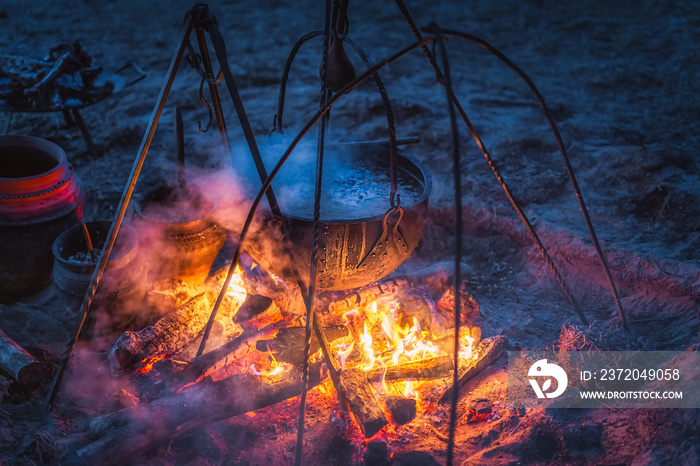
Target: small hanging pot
column 176, row 227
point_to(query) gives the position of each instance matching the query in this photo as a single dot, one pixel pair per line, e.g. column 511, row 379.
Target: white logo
column 543, row 369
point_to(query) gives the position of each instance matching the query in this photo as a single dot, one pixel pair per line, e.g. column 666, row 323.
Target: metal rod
column 88, row 241
column 393, row 160
column 565, row 157
column 213, row 91
column 309, row 302
column 472, row 130
column 220, row 50
column 458, row 239
column 121, row 209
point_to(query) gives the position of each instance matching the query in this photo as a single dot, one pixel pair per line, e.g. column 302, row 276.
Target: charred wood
column 402, row 410
column 366, row 295
column 486, row 352
column 167, row 336
column 129, row 433
column 361, row 401
column 226, row 354
column 288, row 345
column 19, row 364
column 429, row 368
column 253, row 305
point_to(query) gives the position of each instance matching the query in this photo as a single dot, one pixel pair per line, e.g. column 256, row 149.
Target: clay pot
column 179, row 233
column 122, row 286
column 40, row 197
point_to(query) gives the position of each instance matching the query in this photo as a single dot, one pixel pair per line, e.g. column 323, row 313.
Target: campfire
column 318, row 311
column 391, row 341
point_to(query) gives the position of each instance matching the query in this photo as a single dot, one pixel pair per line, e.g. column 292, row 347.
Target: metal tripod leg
column 123, row 204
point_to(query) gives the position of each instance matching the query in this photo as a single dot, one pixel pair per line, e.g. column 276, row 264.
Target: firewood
column 288, row 345
column 134, row 431
column 469, row 308
column 168, row 335
column 361, row 401
column 402, row 410
column 261, row 317
column 253, row 305
column 19, row 364
column 446, row 340
column 429, row 368
column 226, row 354
column 366, row 295
column 169, row 294
column 486, row 352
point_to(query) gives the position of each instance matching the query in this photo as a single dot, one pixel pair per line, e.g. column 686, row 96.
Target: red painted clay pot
column 40, row 197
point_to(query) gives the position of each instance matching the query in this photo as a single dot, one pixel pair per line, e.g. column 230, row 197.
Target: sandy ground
column 621, row 80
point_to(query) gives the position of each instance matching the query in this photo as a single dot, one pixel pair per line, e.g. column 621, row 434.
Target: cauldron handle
column 396, row 237
column 393, row 158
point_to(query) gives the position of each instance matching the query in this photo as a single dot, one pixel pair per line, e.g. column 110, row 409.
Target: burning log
column 166, row 336
column 217, row 359
column 446, row 342
column 259, row 311
column 429, row 368
column 484, row 354
column 140, row 429
column 401, row 409
column 253, row 305
column 361, row 401
column 19, row 364
column 288, row 346
column 168, row 294
column 366, row 295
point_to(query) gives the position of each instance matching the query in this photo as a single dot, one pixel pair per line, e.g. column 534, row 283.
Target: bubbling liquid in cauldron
column 350, row 191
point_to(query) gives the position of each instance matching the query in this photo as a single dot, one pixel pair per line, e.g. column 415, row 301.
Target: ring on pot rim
column 352, row 252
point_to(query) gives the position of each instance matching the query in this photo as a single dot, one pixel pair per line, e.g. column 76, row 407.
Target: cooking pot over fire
column 362, row 238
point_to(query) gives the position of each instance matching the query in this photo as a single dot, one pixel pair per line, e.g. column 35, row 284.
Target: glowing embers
column 147, row 365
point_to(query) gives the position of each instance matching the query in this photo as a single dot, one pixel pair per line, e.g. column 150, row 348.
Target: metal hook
column 208, row 78
column 201, row 97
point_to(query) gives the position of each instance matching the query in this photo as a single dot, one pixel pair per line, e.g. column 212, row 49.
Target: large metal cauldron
column 352, row 252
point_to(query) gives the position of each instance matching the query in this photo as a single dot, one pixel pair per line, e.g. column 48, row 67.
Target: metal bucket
column 40, row 197
column 352, row 252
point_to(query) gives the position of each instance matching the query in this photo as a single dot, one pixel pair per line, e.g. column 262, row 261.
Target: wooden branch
column 19, row 364
column 362, row 403
column 429, row 368
column 168, row 335
column 135, row 431
column 487, row 351
column 288, row 345
column 368, row 294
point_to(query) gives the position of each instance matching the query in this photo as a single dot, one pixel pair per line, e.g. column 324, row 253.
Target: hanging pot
column 40, row 197
column 356, row 246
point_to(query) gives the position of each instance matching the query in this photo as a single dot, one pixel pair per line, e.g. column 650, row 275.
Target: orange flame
column 148, row 365
column 236, row 288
